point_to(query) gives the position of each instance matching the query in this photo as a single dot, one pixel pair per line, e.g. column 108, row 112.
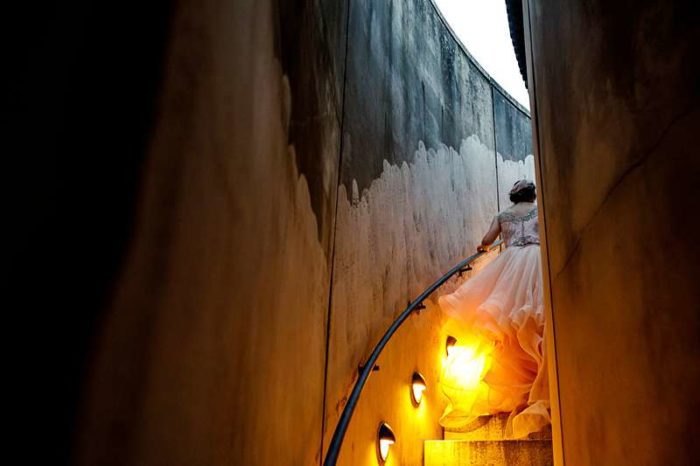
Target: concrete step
column 490, row 428
column 487, row 453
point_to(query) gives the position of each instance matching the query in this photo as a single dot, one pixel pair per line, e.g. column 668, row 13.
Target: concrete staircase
column 482, row 443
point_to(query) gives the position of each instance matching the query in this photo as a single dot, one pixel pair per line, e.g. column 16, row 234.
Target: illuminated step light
column 418, row 386
column 450, row 344
column 385, row 439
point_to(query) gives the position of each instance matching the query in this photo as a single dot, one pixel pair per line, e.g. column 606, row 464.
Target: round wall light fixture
column 418, row 386
column 385, row 439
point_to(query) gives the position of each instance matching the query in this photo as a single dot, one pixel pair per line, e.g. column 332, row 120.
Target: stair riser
column 488, row 453
column 491, row 428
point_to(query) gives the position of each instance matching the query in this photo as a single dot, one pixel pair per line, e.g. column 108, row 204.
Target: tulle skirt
column 499, row 364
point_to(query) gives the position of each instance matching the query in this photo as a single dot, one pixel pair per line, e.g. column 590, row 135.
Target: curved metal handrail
column 366, row 370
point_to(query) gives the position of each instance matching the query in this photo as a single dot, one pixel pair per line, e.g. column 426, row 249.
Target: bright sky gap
column 482, row 26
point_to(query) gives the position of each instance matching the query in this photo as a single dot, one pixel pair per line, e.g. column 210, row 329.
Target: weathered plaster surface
column 212, row 347
column 393, row 240
column 617, row 102
column 407, row 213
column 513, row 130
column 212, row 351
column 407, row 81
column 310, row 43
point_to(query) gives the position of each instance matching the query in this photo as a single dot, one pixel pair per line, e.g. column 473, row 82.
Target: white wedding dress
column 500, row 311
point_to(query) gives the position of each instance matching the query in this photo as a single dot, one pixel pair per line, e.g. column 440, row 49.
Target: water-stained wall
column 212, row 350
column 232, row 246
column 430, row 148
column 617, row 88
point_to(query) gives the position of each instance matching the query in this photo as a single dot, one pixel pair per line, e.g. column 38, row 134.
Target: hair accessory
column 520, row 185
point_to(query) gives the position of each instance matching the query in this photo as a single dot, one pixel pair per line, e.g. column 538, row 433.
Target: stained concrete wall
column 617, row 87
column 274, row 181
column 429, row 146
column 212, row 349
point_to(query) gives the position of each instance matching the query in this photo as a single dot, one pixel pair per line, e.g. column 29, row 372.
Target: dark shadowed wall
column 212, row 350
column 617, row 88
column 79, row 105
column 223, row 205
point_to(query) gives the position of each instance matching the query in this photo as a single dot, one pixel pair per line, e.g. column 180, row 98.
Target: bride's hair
column 527, row 194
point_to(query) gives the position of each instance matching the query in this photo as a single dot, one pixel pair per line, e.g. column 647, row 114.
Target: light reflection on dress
column 500, row 314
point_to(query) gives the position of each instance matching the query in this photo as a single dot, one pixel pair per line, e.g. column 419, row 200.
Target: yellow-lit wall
column 616, row 114
column 419, row 345
column 212, row 349
column 246, row 288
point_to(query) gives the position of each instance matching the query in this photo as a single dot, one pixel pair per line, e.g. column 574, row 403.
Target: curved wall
column 306, row 168
column 430, row 147
column 617, row 89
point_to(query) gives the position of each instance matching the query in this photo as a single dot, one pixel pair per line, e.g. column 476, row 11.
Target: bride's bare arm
column 491, row 235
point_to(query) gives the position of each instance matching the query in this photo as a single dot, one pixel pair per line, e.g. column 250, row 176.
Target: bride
column 501, row 309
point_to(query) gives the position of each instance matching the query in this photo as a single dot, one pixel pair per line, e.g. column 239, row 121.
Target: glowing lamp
column 385, row 439
column 418, row 386
column 450, row 344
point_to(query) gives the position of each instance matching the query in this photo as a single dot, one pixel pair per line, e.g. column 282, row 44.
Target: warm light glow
column 418, row 392
column 463, row 373
column 450, row 344
column 384, row 445
column 417, row 388
column 466, row 367
column 385, row 439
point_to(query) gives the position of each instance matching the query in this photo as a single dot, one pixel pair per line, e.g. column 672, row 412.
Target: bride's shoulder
column 506, row 214
column 510, row 210
column 515, row 212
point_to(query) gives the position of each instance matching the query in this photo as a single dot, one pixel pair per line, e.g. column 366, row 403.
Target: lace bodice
column 519, row 230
